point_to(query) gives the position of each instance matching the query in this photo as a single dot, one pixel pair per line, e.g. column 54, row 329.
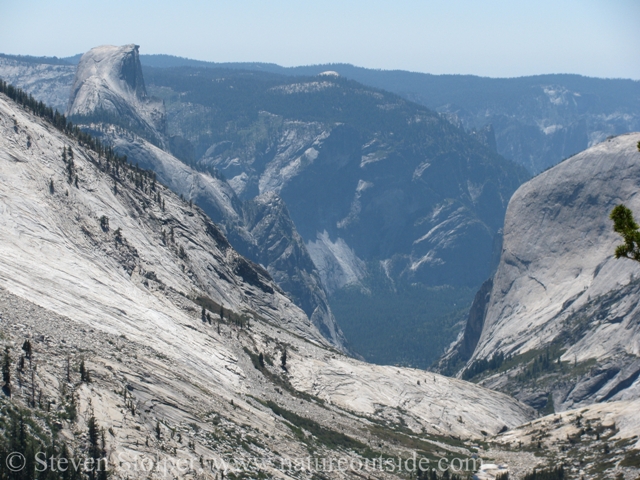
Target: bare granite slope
column 559, row 297
column 109, row 83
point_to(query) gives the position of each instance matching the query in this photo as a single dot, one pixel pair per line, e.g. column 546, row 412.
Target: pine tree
column 6, row 370
column 84, row 373
column 283, row 359
column 626, row 226
column 26, row 346
column 95, row 452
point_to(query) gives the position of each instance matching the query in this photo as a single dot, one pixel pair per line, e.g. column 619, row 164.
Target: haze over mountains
column 537, row 121
column 200, row 293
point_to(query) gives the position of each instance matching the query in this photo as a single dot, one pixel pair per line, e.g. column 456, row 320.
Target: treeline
column 113, row 162
column 60, row 122
column 483, row 365
column 553, row 474
column 541, row 364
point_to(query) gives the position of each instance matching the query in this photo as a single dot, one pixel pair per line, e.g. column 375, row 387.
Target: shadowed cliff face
column 131, row 72
column 475, row 323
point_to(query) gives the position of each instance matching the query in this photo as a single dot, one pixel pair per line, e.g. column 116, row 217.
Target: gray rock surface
column 558, row 285
column 109, row 86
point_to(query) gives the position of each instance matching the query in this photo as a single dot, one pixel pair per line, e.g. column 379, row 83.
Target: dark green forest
column 409, row 325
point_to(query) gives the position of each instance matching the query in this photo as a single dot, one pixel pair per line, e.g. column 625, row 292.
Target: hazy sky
column 495, row 38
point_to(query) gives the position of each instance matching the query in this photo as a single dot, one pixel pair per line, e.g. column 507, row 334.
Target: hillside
column 109, row 99
column 107, row 272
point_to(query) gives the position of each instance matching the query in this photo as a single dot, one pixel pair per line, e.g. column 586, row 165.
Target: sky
column 495, row 38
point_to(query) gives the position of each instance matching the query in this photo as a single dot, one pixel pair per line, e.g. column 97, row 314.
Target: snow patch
column 417, row 173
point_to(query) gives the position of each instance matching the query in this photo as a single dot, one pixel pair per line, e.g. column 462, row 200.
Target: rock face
column 281, row 248
column 475, row 322
column 113, row 271
column 559, row 292
column 109, row 87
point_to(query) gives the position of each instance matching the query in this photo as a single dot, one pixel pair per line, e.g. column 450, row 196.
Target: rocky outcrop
column 282, row 249
column 477, row 314
column 559, row 295
column 109, row 87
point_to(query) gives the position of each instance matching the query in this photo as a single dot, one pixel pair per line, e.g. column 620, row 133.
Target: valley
column 231, row 271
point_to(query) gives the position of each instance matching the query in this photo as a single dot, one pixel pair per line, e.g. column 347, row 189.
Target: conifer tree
column 6, row 370
column 626, row 226
column 26, row 346
column 84, row 373
column 99, row 470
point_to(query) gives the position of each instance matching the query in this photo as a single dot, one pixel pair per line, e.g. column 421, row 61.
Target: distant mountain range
column 537, row 120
